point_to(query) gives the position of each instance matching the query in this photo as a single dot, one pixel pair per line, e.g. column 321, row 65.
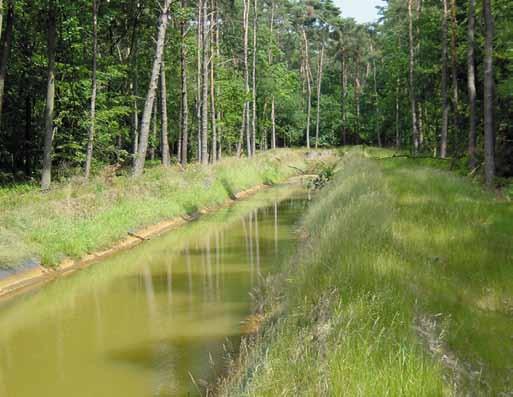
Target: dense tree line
column 86, row 83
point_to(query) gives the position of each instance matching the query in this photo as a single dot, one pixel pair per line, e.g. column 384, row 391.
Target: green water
column 157, row 320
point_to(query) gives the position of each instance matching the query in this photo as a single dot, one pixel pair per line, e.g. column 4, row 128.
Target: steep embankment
column 403, row 287
column 77, row 218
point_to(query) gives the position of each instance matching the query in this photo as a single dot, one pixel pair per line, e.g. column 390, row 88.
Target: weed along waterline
column 157, row 320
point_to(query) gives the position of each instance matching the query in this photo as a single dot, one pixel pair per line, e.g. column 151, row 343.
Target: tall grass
column 76, row 217
column 403, row 287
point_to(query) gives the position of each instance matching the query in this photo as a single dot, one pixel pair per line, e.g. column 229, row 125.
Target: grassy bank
column 403, row 287
column 76, row 218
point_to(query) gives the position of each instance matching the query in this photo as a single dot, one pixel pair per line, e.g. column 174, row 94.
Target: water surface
column 157, row 320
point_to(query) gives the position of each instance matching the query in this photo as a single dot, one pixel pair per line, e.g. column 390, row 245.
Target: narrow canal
column 157, row 320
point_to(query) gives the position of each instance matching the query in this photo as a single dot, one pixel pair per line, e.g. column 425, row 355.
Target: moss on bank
column 78, row 217
column 403, row 287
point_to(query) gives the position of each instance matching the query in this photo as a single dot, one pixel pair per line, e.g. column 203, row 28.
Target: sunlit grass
column 390, row 243
column 76, row 218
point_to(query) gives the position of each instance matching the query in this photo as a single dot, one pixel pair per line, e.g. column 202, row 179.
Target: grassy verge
column 76, row 218
column 403, row 287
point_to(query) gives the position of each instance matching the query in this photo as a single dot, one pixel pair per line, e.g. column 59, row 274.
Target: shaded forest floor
column 403, row 287
column 78, row 217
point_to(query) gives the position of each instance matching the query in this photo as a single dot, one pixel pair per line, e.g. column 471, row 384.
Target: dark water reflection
column 153, row 321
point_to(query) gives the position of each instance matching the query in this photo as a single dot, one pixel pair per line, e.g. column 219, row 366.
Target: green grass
column 403, row 287
column 76, row 218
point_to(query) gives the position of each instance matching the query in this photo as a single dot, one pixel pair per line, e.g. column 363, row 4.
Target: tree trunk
column 246, row 76
column 308, row 86
column 343, row 93
column 199, row 76
column 204, row 86
column 445, row 101
column 489, row 95
column 397, row 127
column 90, row 141
column 46, row 174
column 253, row 76
column 218, row 107
column 184, row 125
column 454, row 61
column 270, row 56
column 471, row 73
column 413, row 106
column 150, row 97
column 1, row 16
column 5, row 51
column 164, row 140
column 213, row 24
column 319, row 86
column 273, row 122
column 376, row 102
column 153, row 138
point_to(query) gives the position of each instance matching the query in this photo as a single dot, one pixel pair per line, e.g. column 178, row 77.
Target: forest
column 86, row 84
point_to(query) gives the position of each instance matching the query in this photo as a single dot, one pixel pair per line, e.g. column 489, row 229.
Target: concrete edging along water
column 21, row 281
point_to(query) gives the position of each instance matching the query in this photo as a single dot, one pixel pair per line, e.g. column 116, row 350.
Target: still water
column 153, row 321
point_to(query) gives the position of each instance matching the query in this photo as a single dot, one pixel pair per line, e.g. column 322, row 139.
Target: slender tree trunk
column 308, row 86
column 184, row 126
column 376, row 101
column 199, row 75
column 489, row 95
column 46, row 174
column 413, row 106
column 204, row 86
column 135, row 121
column 246, row 118
column 273, row 123
column 397, row 127
column 150, row 97
column 253, row 77
column 319, row 86
column 213, row 23
column 471, row 73
column 357, row 92
column 218, row 107
column 343, row 94
column 90, row 141
column 164, row 140
column 1, row 16
column 134, row 83
column 153, row 139
column 454, row 59
column 445, row 101
column 5, row 51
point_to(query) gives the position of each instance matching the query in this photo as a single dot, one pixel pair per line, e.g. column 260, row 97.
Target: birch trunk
column 489, row 95
column 413, row 106
column 471, row 74
column 150, row 97
column 90, row 141
column 5, row 51
column 46, row 174
column 213, row 115
column 164, row 140
column 253, row 76
column 445, row 101
column 184, row 125
column 204, row 86
column 319, row 86
column 308, row 86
